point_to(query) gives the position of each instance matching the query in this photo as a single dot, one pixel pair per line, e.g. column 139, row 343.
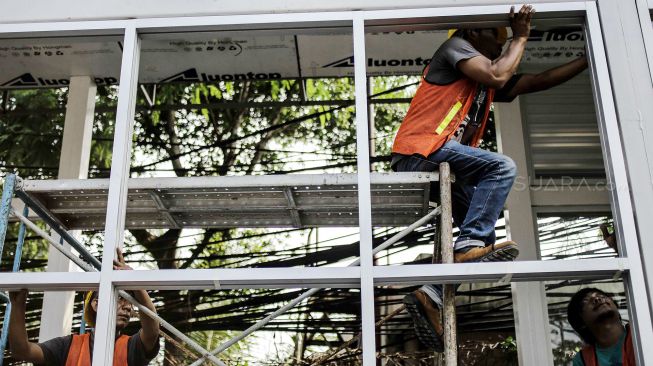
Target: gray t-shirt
column 442, row 68
column 56, row 350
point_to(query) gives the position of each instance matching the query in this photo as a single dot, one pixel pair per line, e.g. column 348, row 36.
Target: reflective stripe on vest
column 79, row 353
column 434, row 115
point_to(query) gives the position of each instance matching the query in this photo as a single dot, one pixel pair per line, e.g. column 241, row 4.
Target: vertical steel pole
column 446, row 238
column 611, row 126
column 5, row 206
column 20, row 243
column 364, row 193
column 17, row 256
column 82, row 322
column 117, row 200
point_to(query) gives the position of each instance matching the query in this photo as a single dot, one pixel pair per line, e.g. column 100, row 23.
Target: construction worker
column 446, row 122
column 595, row 317
column 77, row 350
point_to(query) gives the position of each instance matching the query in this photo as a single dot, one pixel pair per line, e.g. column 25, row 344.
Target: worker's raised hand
column 18, row 297
column 520, row 22
column 119, row 262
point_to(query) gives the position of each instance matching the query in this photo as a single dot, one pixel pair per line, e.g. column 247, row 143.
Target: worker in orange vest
column 446, row 122
column 77, row 349
column 595, row 317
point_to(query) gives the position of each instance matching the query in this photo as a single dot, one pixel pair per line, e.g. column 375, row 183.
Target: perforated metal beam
column 225, row 202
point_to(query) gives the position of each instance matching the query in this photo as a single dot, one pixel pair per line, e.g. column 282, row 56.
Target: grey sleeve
column 56, row 350
column 442, row 68
column 136, row 355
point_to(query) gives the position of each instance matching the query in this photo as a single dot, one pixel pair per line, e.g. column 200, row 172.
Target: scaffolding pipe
column 358, row 336
column 446, row 235
column 400, row 235
column 88, row 268
column 78, row 261
column 54, row 225
column 5, row 206
column 261, row 323
column 170, row 328
column 82, row 322
column 18, row 254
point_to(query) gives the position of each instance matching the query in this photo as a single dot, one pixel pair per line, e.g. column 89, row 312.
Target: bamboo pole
column 449, row 308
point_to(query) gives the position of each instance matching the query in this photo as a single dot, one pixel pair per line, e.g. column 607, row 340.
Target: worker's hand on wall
column 520, row 22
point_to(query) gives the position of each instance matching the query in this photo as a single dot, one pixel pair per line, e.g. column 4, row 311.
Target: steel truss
column 365, row 275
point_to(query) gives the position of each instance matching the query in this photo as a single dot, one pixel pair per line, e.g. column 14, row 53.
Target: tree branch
column 232, row 140
column 173, row 148
column 199, row 248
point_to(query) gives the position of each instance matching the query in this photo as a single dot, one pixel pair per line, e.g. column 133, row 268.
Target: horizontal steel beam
column 322, row 277
column 50, row 281
column 260, row 181
column 296, row 21
column 225, row 278
column 500, row 271
column 45, row 10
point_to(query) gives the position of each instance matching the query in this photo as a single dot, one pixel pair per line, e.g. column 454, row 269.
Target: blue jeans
column 483, row 181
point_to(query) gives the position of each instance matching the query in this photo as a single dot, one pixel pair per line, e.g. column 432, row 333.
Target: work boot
column 501, row 252
column 427, row 319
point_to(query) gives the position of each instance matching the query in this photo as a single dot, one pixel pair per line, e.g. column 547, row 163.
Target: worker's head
column 488, row 41
column 589, row 310
column 123, row 310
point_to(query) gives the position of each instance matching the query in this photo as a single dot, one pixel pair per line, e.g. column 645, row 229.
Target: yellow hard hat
column 89, row 313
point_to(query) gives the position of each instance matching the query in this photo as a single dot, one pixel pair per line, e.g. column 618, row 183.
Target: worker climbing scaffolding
column 165, row 203
column 446, row 122
column 76, row 349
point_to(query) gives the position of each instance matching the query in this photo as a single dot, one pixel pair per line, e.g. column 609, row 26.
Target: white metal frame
column 56, row 319
column 366, row 276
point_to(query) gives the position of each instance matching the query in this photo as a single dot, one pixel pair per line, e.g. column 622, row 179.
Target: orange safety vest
column 79, row 353
column 627, row 353
column 434, row 115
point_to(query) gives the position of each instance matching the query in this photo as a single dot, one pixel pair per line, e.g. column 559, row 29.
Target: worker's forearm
column 506, row 65
column 145, row 300
column 18, row 341
column 149, row 327
column 562, row 73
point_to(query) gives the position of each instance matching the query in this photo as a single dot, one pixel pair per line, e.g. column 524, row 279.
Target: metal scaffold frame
column 89, row 263
column 364, row 275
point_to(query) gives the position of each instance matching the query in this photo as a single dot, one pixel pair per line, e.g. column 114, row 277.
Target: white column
column 117, row 201
column 57, row 316
column 529, row 299
column 364, row 195
column 623, row 102
column 627, row 34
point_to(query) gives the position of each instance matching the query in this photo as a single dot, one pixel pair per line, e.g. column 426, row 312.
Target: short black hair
column 575, row 313
column 464, row 32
